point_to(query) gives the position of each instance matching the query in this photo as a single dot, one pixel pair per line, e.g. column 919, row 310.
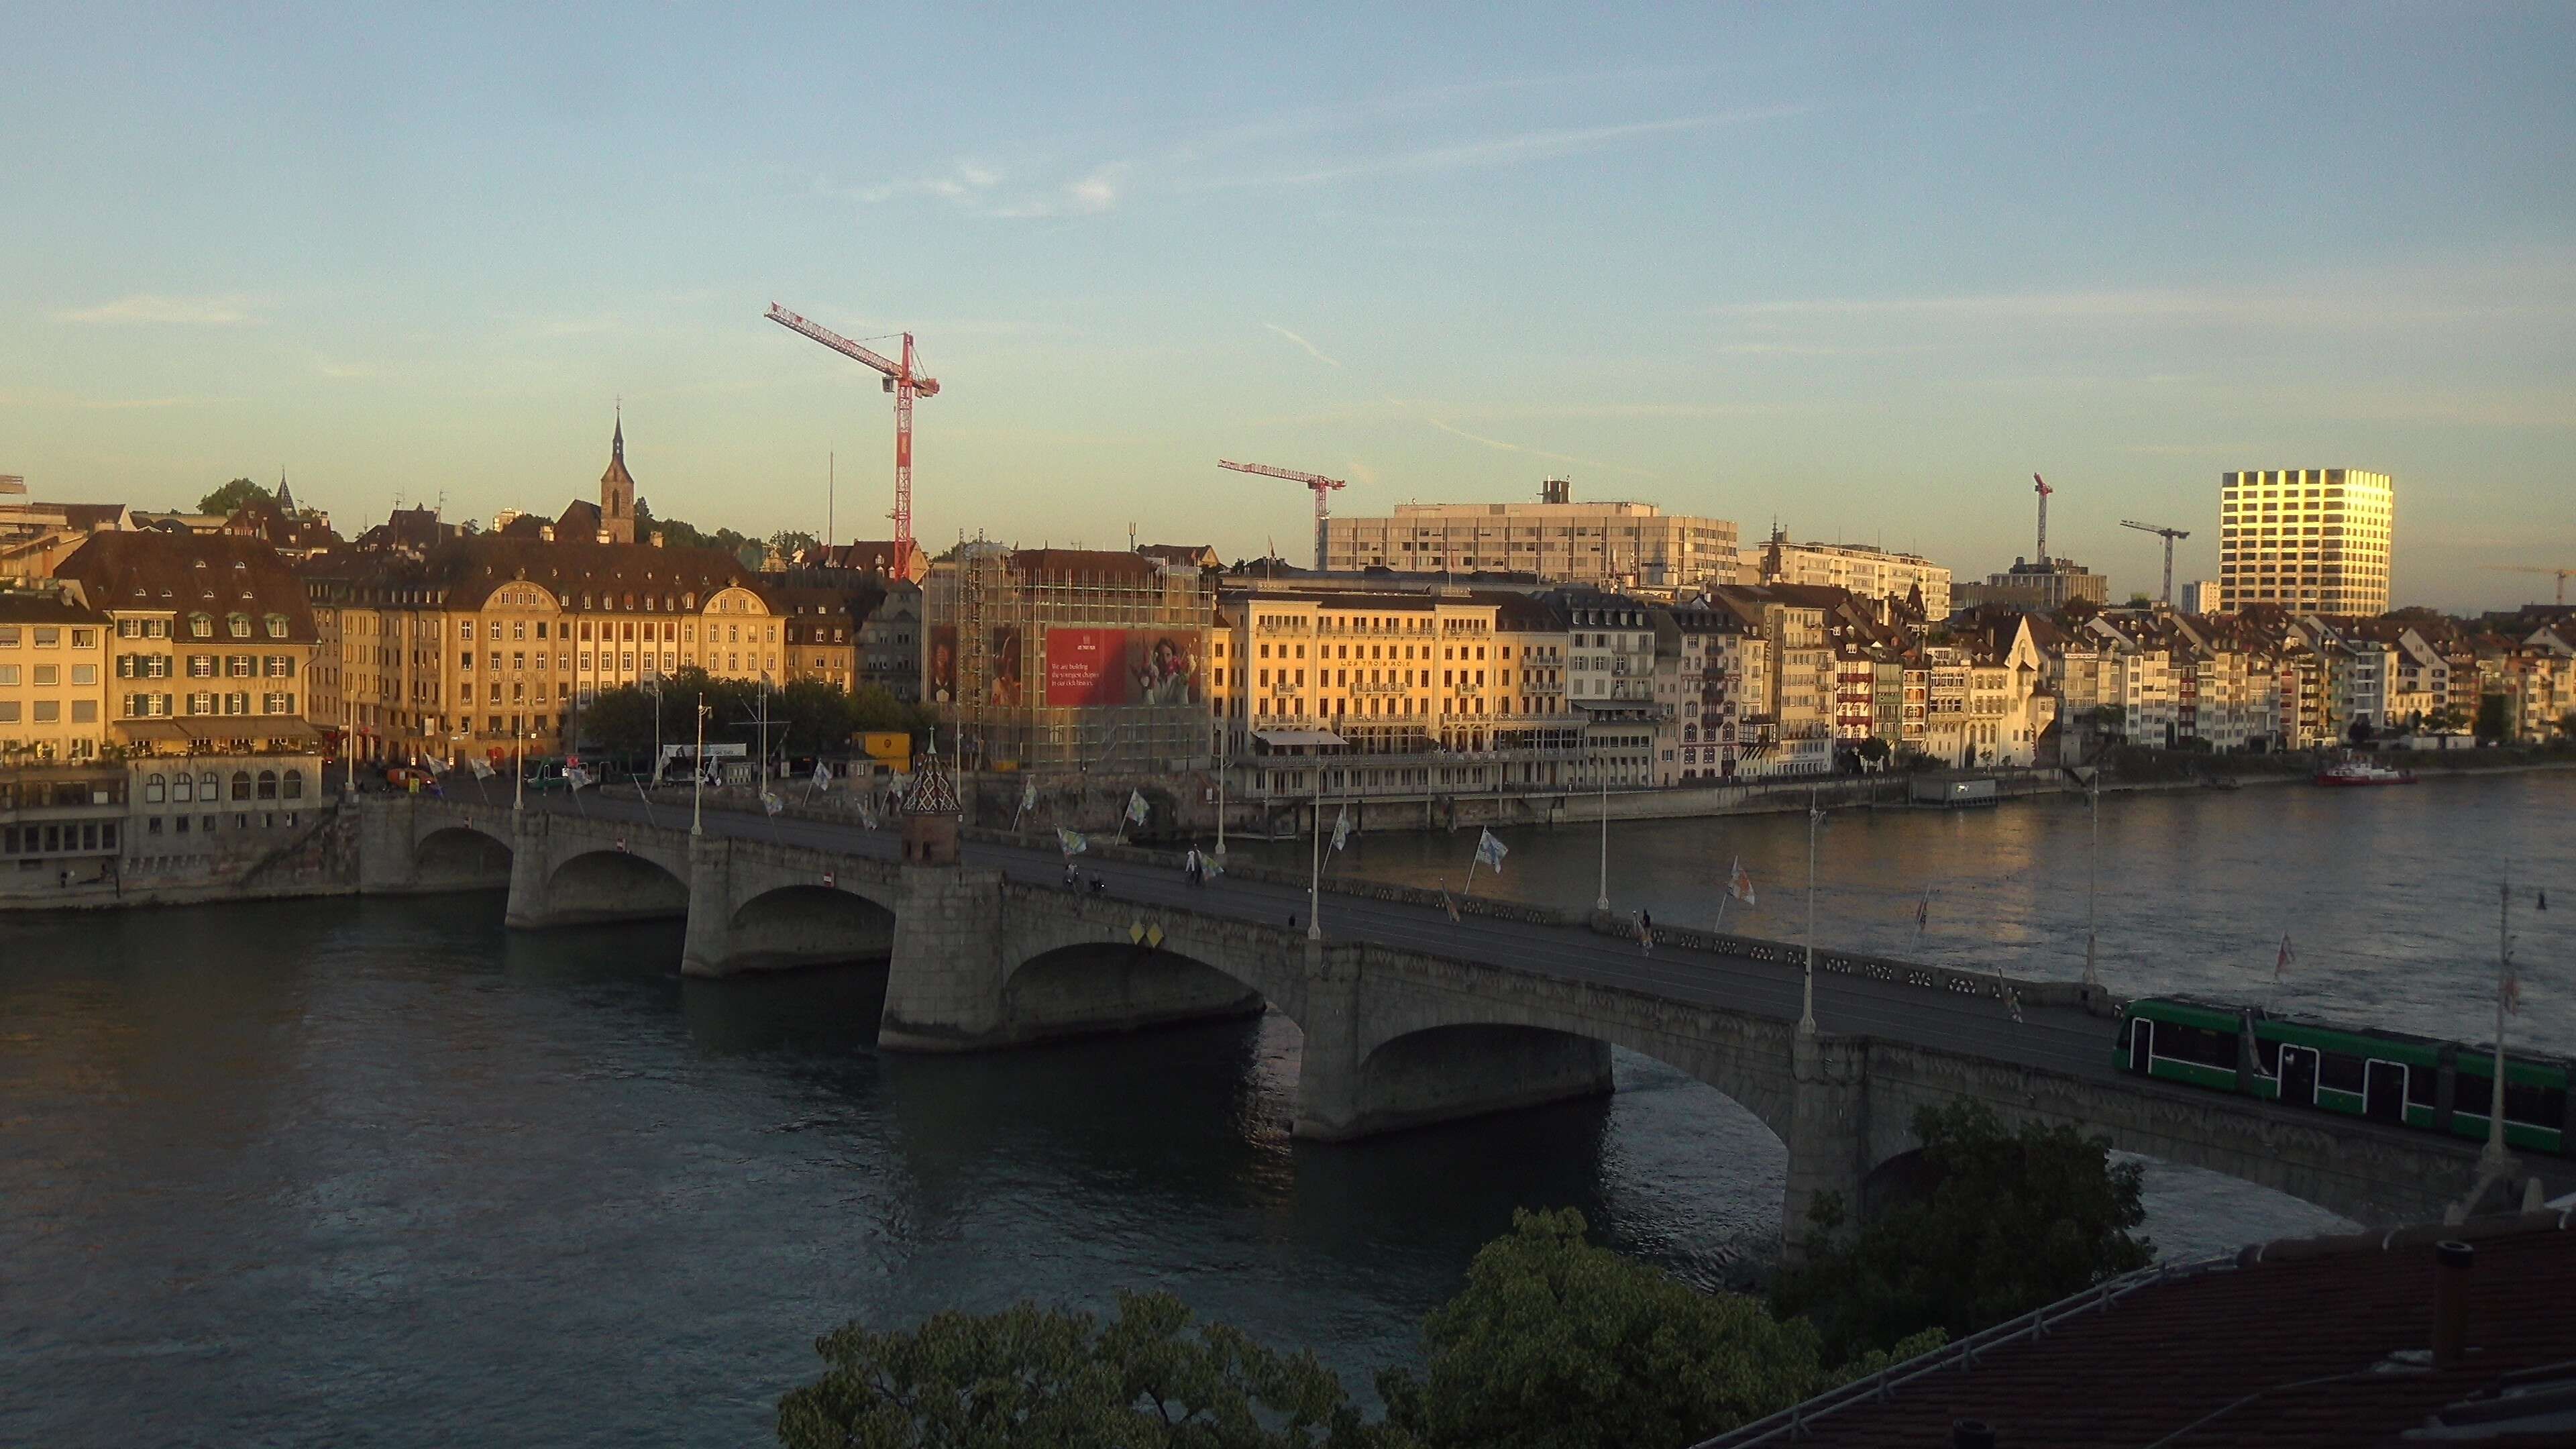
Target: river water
column 383, row 1173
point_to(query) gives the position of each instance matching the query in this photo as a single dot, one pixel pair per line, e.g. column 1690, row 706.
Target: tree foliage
column 229, row 498
column 2012, row 1220
column 1036, row 1378
column 2494, row 721
column 1557, row 1343
column 808, row 717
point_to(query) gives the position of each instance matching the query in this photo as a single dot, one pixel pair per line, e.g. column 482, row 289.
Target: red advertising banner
column 1086, row 667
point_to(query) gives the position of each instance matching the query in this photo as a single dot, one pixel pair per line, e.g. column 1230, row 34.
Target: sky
column 1861, row 270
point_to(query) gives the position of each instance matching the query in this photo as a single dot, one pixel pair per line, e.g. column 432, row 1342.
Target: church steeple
column 285, row 495
column 617, row 490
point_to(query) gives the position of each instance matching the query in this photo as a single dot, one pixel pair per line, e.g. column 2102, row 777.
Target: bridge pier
column 528, row 871
column 1828, row 1132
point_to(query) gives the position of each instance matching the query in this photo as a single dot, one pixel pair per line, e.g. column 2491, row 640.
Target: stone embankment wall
column 319, row 858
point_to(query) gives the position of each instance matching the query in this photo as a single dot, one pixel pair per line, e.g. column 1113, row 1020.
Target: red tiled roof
column 183, row 574
column 2313, row 1346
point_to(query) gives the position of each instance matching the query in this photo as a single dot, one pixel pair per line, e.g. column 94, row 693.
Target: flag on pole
column 2281, row 965
column 822, row 776
column 1342, row 827
column 770, row 802
column 1070, row 841
column 867, row 816
column 1028, row 796
column 1815, row 815
column 482, row 767
column 1491, row 851
column 1449, row 905
column 576, row 777
column 1137, row 809
column 434, row 764
column 1923, row 911
column 1738, row 883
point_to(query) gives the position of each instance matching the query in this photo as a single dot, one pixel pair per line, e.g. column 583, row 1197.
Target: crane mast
column 1324, row 488
column 2169, row 534
column 2043, row 490
column 905, row 381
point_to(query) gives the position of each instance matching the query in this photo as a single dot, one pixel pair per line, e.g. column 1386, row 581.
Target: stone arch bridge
column 1428, row 1020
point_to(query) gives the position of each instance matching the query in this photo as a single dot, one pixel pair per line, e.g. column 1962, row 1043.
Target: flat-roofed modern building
column 2306, row 539
column 1872, row 573
column 1607, row 545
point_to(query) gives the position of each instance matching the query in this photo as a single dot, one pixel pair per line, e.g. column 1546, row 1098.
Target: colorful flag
column 1137, row 809
column 1739, row 884
column 1070, row 841
column 1490, row 851
column 577, row 777
column 770, row 802
column 2281, row 965
column 1342, row 828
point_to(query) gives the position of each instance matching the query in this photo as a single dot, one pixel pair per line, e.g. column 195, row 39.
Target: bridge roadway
column 2053, row 1063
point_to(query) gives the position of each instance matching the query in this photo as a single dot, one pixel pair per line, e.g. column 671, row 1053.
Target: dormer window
column 237, row 625
column 277, row 626
column 201, row 626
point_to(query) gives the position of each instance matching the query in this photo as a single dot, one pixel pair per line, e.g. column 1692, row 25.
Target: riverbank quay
column 261, row 855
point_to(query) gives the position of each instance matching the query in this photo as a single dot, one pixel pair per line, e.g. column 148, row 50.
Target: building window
column 268, row 784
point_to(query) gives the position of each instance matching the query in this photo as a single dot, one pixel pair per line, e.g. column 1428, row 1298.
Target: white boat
column 2363, row 772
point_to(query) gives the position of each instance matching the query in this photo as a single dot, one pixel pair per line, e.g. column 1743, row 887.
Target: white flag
column 1490, row 851
column 1137, row 810
column 1028, row 796
column 822, row 776
column 1342, row 828
column 482, row 767
column 867, row 816
column 434, row 765
column 1070, row 840
column 577, row 777
column 1739, row 884
column 770, row 802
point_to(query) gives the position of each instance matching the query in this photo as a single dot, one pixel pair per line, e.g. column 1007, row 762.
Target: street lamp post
column 1315, row 876
column 698, row 774
column 519, row 777
column 1601, row 901
column 1807, row 1005
column 1224, row 743
column 2093, row 881
column 2493, row 1160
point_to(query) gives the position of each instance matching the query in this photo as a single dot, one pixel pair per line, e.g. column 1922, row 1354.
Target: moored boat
column 2363, row 772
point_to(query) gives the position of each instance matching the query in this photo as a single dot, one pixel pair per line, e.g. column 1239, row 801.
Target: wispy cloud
column 1312, row 350
column 979, row 189
column 57, row 398
column 1500, row 446
column 2338, row 303
column 1512, row 150
column 963, row 182
column 154, row 310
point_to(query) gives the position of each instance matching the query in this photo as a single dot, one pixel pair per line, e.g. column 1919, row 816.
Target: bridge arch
column 1450, row 1055
column 806, row 923
column 1091, row 986
column 603, row 885
column 452, row 853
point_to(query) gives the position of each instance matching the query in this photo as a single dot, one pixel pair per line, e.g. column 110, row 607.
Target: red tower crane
column 1322, row 485
column 905, row 381
column 2040, row 487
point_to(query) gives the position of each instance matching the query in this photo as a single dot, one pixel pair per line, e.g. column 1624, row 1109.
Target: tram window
column 2197, row 1045
column 2337, row 1072
column 2539, row 1106
column 2421, row 1084
column 2472, row 1094
column 2268, row 1054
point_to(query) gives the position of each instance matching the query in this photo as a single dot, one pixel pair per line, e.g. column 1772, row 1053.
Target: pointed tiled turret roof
column 617, row 456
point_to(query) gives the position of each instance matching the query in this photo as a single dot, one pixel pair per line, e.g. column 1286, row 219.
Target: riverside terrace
column 1408, row 1017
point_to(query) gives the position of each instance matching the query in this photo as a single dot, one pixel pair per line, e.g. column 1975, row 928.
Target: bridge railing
column 1949, row 980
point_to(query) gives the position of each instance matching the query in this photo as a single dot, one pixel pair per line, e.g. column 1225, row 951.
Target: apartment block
column 2306, row 540
column 1610, row 545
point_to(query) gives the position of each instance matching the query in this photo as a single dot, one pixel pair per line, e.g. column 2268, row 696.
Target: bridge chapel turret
column 617, row 491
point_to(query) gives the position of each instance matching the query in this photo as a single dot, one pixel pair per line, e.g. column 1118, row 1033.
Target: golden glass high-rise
column 2307, row 540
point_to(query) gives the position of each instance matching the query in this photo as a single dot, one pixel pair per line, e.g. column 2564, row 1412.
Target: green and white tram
column 2385, row 1076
